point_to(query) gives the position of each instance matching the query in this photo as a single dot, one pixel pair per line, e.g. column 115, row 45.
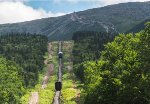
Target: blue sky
column 13, row 11
column 65, row 7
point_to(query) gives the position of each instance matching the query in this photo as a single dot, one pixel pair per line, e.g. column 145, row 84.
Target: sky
column 13, row 11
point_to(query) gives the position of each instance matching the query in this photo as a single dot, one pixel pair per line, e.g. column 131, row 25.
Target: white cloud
column 12, row 0
column 12, row 12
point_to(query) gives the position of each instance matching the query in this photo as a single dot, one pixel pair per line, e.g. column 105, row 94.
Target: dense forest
column 121, row 74
column 87, row 47
column 11, row 82
column 113, row 69
column 21, row 58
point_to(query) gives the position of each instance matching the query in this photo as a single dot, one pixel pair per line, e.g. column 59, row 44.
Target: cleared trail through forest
column 58, row 92
column 34, row 99
column 47, row 76
column 50, row 68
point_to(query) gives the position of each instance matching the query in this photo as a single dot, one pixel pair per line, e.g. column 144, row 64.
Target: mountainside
column 114, row 18
column 138, row 27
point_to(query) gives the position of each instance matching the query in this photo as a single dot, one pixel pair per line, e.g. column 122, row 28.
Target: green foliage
column 87, row 47
column 116, row 18
column 68, row 91
column 121, row 76
column 70, row 85
column 145, row 46
column 45, row 95
column 11, row 82
column 27, row 51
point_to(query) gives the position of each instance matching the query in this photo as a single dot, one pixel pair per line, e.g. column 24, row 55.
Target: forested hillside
column 25, row 52
column 121, row 74
column 138, row 27
column 117, row 18
column 11, row 82
column 87, row 47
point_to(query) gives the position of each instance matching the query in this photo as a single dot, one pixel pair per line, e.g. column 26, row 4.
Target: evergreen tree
column 11, row 82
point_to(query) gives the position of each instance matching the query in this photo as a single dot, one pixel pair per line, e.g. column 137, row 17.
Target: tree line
column 21, row 58
column 121, row 74
column 87, row 47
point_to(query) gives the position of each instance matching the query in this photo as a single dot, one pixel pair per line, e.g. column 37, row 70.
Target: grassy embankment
column 45, row 95
column 71, row 91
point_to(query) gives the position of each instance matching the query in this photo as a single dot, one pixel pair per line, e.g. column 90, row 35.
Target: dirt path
column 50, row 50
column 34, row 98
column 47, row 76
column 49, row 53
column 50, row 68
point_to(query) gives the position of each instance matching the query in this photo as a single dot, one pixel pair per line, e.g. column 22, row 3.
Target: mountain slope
column 114, row 18
column 138, row 27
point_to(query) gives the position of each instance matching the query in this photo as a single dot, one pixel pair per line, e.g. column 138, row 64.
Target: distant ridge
column 116, row 18
column 139, row 27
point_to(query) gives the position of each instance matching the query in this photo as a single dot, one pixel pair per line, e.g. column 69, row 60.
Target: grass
column 70, row 84
column 25, row 98
column 69, row 93
column 71, row 87
column 45, row 95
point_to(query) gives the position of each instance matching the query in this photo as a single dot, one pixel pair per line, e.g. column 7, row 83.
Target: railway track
column 58, row 84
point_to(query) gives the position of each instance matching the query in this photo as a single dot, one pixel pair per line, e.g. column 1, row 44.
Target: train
column 60, row 55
